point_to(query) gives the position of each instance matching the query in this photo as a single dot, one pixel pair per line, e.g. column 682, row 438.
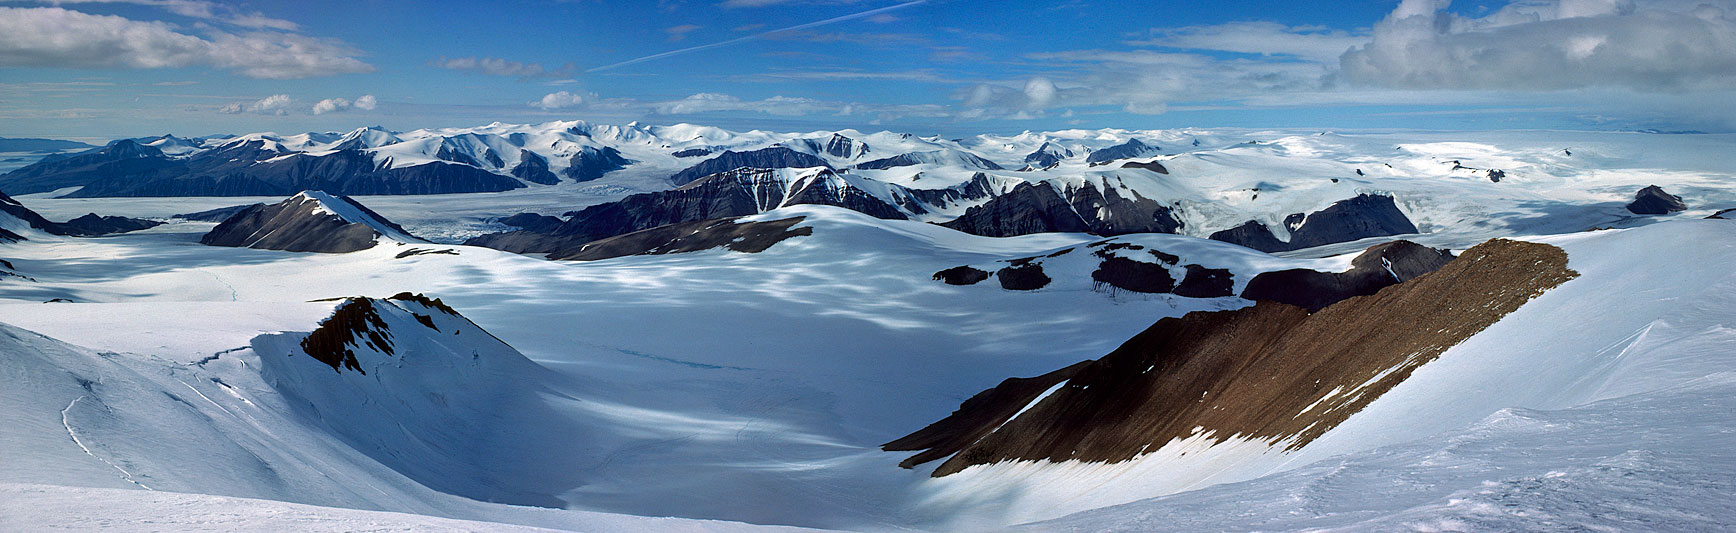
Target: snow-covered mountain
column 311, row 221
column 1418, row 341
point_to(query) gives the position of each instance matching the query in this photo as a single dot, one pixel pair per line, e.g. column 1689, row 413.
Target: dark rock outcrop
column 691, row 152
column 1346, row 220
column 122, row 157
column 213, row 215
column 1023, row 277
column 592, row 163
column 1271, row 373
column 245, row 168
column 961, row 275
column 1724, row 214
column 773, row 157
column 731, row 234
column 845, row 147
column 1039, row 208
column 938, row 156
column 1153, row 166
column 1127, row 150
column 308, row 222
column 1202, row 282
column 92, row 224
column 735, row 193
column 1652, row 200
column 533, row 222
column 1120, row 273
column 1376, row 268
column 1047, row 155
column 533, row 168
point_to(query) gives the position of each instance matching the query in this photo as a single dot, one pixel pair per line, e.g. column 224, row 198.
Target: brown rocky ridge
column 1272, row 372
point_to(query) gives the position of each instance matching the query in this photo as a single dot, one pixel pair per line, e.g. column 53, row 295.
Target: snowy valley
column 591, row 327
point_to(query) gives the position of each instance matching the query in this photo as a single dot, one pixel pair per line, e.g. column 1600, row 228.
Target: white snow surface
column 755, row 388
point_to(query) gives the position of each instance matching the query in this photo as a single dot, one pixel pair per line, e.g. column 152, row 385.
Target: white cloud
column 277, row 104
column 365, row 102
column 494, row 66
column 559, row 100
column 1264, row 38
column 677, row 33
column 1662, row 45
column 198, row 9
column 776, row 105
column 55, row 37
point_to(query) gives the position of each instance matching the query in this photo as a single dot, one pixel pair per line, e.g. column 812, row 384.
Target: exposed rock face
column 242, row 170
column 308, row 222
column 214, row 215
column 1202, row 282
column 961, row 275
column 1376, row 268
column 773, row 157
column 1347, row 220
column 844, row 147
column 732, row 234
column 93, row 224
column 533, row 222
column 1148, row 165
column 942, row 157
column 592, row 163
column 1026, row 277
column 1127, row 150
column 250, row 168
column 1047, row 155
column 691, row 152
column 1039, row 208
column 1723, row 215
column 1653, row 200
column 729, row 194
column 124, row 157
column 1137, row 276
column 533, row 168
column 90, row 225
column 1272, row 372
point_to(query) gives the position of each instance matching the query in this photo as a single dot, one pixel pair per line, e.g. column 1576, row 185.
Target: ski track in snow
column 75, row 440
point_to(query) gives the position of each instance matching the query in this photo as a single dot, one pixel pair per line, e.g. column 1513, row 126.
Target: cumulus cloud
column 364, row 102
column 494, row 66
column 1656, row 45
column 559, row 100
column 277, row 104
column 56, row 37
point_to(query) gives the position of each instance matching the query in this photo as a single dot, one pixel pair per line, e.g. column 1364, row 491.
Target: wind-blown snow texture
column 754, row 388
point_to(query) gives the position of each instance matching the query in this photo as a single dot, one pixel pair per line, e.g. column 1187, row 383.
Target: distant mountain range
column 40, row 145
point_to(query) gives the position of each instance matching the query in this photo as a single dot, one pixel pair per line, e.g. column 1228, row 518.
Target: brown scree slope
column 1249, row 372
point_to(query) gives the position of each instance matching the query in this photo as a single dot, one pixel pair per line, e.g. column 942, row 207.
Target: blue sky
column 94, row 69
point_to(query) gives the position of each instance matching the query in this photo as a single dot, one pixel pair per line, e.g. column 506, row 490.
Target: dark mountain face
column 905, row 160
column 1047, row 155
column 844, row 147
column 1652, row 200
column 1038, row 208
column 592, row 163
column 39, row 145
column 1130, row 149
column 729, row 194
column 1376, row 268
column 773, row 157
column 123, row 157
column 1346, row 220
column 1272, row 373
column 251, row 168
column 728, row 233
column 299, row 224
column 533, row 168
column 90, row 225
column 213, row 215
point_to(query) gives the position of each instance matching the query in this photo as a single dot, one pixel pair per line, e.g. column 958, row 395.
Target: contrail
column 867, row 13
